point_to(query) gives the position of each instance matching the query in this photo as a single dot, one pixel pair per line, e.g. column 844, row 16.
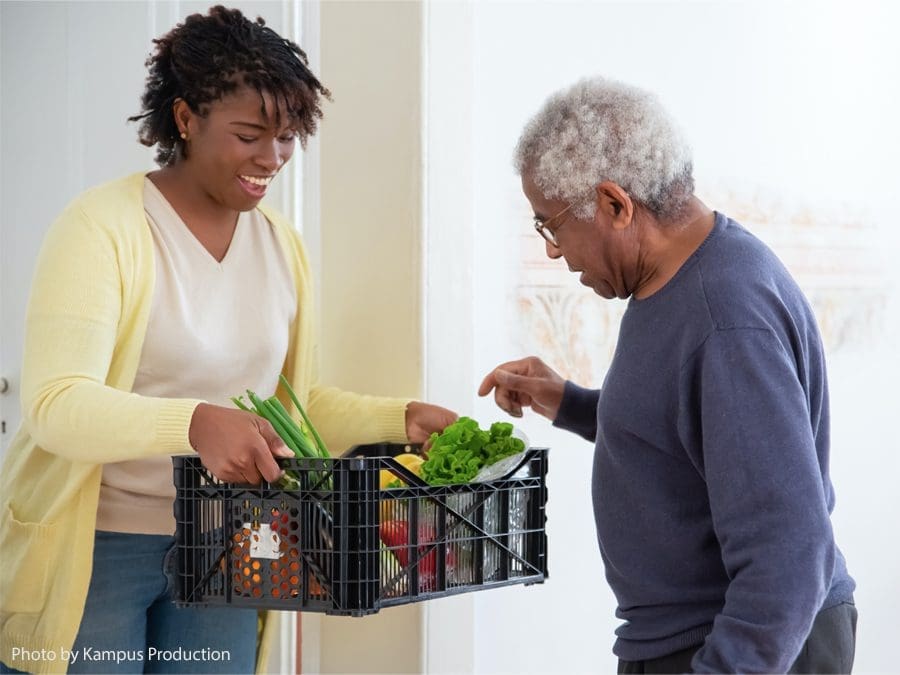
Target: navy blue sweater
column 711, row 491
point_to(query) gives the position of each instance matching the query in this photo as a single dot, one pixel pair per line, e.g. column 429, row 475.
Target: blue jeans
column 130, row 624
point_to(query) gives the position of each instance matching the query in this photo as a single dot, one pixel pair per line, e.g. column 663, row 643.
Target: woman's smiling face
column 236, row 149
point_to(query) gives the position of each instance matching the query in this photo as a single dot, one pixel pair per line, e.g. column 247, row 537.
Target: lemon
column 412, row 462
column 408, row 460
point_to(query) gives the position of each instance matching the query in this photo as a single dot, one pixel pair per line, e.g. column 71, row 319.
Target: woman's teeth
column 257, row 180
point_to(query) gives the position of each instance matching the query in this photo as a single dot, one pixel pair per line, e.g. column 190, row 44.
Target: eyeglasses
column 543, row 226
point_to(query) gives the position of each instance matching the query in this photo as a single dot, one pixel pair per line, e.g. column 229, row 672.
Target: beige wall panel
column 370, row 314
column 371, row 196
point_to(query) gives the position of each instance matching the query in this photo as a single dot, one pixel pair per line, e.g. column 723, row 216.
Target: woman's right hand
column 526, row 382
column 235, row 445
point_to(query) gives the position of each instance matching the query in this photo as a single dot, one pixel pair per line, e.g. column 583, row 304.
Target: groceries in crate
column 461, row 450
column 411, row 461
column 266, row 558
column 302, row 439
column 427, row 540
column 396, row 536
column 390, row 508
column 328, row 547
column 392, row 574
column 458, row 454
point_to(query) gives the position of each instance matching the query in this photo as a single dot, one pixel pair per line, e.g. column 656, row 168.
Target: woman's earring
column 183, row 135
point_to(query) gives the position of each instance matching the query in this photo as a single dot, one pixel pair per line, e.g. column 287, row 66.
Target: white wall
column 448, row 266
column 790, row 108
column 63, row 129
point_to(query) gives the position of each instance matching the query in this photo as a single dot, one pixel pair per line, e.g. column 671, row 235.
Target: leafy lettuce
column 461, row 450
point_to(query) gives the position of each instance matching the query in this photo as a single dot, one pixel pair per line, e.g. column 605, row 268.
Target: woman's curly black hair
column 207, row 57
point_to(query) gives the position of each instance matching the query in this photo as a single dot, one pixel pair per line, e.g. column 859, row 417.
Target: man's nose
column 553, row 252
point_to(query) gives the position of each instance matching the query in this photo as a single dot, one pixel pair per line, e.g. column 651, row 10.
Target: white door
column 71, row 73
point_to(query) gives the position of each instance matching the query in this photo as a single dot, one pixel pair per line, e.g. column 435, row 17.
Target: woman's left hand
column 422, row 419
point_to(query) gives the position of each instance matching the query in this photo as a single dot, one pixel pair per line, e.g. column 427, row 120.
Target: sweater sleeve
column 73, row 321
column 757, row 453
column 345, row 419
column 578, row 411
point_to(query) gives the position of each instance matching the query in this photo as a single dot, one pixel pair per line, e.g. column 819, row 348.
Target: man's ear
column 614, row 203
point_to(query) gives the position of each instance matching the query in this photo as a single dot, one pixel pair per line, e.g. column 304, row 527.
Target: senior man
column 711, row 492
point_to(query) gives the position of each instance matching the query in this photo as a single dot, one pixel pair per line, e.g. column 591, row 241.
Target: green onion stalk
column 294, row 435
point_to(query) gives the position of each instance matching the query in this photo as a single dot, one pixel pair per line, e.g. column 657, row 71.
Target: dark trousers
column 829, row 648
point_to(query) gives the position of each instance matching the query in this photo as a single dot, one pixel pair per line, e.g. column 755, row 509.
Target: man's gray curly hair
column 600, row 129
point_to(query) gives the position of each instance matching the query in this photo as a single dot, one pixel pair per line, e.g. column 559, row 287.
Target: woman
column 156, row 298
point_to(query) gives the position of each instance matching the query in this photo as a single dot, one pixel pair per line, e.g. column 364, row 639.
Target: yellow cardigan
column 85, row 325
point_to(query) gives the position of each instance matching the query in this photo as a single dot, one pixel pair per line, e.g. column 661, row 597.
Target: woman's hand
column 526, row 382
column 235, row 445
column 422, row 419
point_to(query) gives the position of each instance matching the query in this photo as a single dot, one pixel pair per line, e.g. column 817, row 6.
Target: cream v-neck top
column 215, row 330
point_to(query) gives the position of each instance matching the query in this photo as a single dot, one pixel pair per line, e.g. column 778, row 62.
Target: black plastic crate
column 339, row 544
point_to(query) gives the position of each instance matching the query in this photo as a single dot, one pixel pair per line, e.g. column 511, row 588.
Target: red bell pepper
column 395, row 535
